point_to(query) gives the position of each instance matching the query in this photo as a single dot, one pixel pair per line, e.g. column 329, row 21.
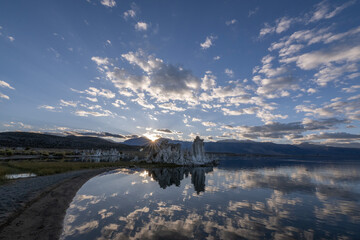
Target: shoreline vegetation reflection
column 283, row 201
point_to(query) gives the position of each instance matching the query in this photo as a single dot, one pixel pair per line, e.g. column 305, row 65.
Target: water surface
column 238, row 199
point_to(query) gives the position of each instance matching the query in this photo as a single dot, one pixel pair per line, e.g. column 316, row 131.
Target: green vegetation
column 41, row 168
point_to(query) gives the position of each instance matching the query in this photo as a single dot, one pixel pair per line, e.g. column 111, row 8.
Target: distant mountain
column 39, row 140
column 139, row 141
column 268, row 148
column 248, row 147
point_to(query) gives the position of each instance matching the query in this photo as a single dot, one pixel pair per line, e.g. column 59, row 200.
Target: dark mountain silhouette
column 39, row 140
column 248, row 147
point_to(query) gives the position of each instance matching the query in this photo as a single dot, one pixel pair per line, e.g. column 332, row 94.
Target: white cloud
column 100, row 61
column 6, row 85
column 4, row 96
column 209, row 124
column 68, row 103
column 108, row 3
column 231, row 22
column 314, row 59
column 171, row 106
column 325, row 11
column 11, row 38
column 229, row 72
column 208, row 81
column 283, row 24
column 216, row 58
column 129, row 13
column 209, row 41
column 100, row 92
column 267, row 29
column 118, row 103
column 141, row 26
column 351, row 89
column 83, row 113
column 92, row 99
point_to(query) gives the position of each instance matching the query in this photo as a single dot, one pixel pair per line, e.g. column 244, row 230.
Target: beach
column 34, row 208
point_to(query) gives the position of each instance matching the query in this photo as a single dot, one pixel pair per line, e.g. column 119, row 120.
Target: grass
column 42, row 168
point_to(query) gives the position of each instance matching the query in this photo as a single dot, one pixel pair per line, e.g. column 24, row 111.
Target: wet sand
column 42, row 217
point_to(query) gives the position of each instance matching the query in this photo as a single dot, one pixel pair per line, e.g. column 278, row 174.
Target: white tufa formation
column 172, row 153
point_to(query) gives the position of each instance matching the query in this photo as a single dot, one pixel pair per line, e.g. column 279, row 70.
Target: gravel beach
column 34, row 208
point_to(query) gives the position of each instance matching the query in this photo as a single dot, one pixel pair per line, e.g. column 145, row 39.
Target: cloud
column 253, row 12
column 92, row 99
column 4, row 84
column 100, row 61
column 118, row 103
column 141, row 26
column 68, row 103
column 338, row 54
column 104, row 113
column 209, row 41
column 351, row 89
column 4, row 96
column 161, row 81
column 164, row 130
column 251, row 110
column 209, row 124
column 11, row 38
column 129, row 13
column 231, row 22
column 108, row 3
column 171, row 106
column 208, row 81
column 349, row 108
column 50, row 108
column 229, row 72
column 325, row 11
column 292, row 130
column 99, row 92
column 217, row 58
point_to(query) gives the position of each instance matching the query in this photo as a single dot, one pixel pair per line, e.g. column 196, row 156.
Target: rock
column 166, row 152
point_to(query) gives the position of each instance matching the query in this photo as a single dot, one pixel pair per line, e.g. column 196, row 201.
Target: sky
column 279, row 71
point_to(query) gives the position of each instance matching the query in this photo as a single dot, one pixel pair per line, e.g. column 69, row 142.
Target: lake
column 249, row 199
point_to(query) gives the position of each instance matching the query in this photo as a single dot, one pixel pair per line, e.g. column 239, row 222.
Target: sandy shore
column 42, row 217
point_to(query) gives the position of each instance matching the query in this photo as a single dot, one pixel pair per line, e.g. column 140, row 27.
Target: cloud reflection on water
column 286, row 202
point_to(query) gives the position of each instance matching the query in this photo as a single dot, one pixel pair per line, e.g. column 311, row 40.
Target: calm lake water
column 238, row 199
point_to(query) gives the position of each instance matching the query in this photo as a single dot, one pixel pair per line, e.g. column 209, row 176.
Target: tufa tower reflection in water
column 173, row 176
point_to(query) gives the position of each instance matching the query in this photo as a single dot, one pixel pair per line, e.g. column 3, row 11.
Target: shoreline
column 42, row 217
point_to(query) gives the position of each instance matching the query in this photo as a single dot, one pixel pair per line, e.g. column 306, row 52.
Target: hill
column 39, row 140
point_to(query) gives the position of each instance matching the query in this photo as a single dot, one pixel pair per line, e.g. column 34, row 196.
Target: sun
column 152, row 137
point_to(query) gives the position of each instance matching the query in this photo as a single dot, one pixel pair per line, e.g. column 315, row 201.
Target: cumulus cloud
column 141, row 26
column 161, row 81
column 209, row 41
column 118, row 103
column 209, row 124
column 100, row 61
column 348, row 108
column 129, row 13
column 229, row 72
column 208, row 81
column 108, row 3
